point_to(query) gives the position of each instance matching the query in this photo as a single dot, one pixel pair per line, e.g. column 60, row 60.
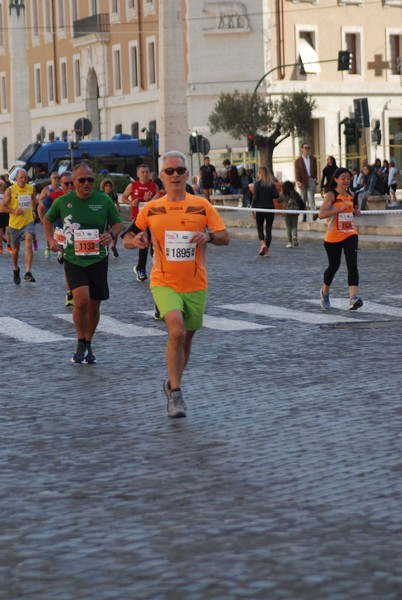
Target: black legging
column 334, row 252
column 260, row 217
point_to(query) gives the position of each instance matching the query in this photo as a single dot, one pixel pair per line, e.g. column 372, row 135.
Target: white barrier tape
column 364, row 213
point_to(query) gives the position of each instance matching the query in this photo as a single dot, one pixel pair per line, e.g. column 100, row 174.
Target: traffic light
column 250, row 143
column 350, row 132
column 345, row 60
column 375, row 132
column 193, row 144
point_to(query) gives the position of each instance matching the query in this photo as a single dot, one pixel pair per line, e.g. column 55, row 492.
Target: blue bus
column 121, row 154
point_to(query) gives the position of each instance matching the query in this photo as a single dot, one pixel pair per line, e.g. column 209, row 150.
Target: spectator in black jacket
column 327, row 173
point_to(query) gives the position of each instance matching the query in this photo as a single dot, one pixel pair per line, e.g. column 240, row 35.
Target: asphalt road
column 284, row 481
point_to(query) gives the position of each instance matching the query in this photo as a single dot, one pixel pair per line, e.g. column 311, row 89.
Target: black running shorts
column 94, row 276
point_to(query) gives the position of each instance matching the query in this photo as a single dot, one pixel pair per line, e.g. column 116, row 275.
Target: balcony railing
column 95, row 24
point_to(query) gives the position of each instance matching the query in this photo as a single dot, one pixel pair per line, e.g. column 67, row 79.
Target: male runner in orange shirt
column 180, row 225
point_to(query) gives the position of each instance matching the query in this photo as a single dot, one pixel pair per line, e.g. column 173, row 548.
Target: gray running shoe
column 324, row 301
column 79, row 356
column 355, row 303
column 176, row 406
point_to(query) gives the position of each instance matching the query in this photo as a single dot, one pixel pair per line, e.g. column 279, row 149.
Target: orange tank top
column 341, row 225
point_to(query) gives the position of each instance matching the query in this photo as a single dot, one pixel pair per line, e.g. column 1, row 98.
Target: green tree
column 270, row 121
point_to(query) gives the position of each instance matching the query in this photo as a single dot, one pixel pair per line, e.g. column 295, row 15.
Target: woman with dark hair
column 339, row 210
column 327, row 173
column 291, row 200
column 264, row 193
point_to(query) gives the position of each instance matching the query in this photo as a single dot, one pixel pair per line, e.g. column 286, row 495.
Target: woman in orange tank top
column 341, row 234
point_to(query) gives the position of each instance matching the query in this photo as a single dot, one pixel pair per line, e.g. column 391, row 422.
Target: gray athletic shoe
column 355, row 303
column 324, row 301
column 176, row 406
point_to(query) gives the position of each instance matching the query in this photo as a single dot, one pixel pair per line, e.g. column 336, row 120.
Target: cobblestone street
column 284, row 481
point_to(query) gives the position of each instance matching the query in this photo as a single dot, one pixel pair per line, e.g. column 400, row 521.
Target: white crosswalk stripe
column 368, row 307
column 278, row 312
column 23, row 332
column 223, row 323
column 115, row 327
column 20, row 330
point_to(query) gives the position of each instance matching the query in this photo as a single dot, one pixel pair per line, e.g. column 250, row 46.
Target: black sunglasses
column 68, row 182
column 86, row 179
column 179, row 170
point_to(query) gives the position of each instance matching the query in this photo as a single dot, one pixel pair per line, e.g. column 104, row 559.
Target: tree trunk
column 266, row 151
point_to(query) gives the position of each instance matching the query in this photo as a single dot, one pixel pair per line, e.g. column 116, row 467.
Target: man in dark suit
column 306, row 177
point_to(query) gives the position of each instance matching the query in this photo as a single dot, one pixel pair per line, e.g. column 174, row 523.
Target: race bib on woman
column 345, row 221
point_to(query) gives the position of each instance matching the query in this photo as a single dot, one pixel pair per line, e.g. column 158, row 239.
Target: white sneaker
column 289, row 245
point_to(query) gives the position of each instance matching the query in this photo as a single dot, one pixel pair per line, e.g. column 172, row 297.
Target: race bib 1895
column 178, row 245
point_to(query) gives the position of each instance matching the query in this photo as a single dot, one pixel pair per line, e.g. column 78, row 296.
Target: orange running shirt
column 341, row 225
column 177, row 263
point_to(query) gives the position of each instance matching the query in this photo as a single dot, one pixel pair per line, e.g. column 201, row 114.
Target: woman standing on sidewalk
column 264, row 193
column 339, row 210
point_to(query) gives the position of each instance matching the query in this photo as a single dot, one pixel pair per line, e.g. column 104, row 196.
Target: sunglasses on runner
column 86, row 179
column 179, row 170
column 69, row 182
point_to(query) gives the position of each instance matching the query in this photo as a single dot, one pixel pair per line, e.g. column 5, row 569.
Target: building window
column 151, row 64
column 1, row 26
column 93, row 7
column 116, row 68
column 149, row 7
column 395, row 47
column 4, row 147
column 48, row 16
column 4, row 102
column 52, row 136
column 352, row 42
column 114, row 7
column 35, row 19
column 74, row 10
column 38, row 85
column 118, row 128
column 131, row 6
column 133, row 49
column 307, row 52
column 61, row 17
column 64, row 135
column 135, row 130
column 77, row 77
column 63, row 79
column 50, row 82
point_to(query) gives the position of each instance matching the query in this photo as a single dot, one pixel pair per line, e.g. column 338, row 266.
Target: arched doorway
column 93, row 103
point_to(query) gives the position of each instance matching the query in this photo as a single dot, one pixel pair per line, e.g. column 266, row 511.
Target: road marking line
column 368, row 307
column 223, row 323
column 24, row 332
column 115, row 327
column 278, row 312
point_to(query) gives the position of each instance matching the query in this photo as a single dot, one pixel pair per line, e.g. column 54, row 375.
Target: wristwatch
column 211, row 237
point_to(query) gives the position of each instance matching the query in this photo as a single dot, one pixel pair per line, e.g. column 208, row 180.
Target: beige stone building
column 130, row 64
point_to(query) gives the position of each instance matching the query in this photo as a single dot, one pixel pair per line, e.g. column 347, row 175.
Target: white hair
column 174, row 153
